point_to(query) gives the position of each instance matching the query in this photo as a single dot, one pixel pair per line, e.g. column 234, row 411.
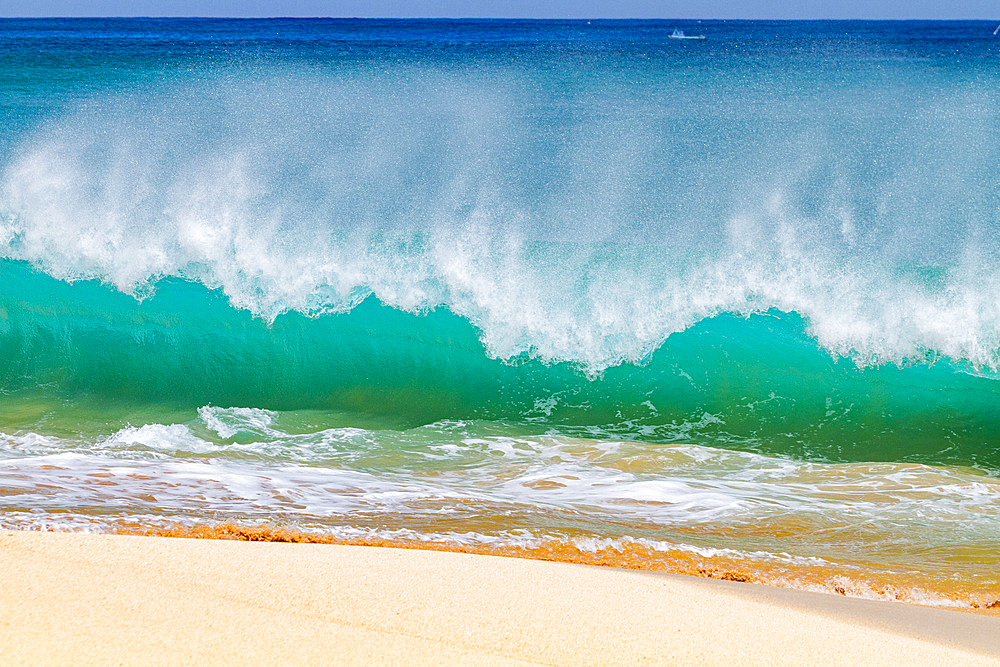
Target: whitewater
column 561, row 289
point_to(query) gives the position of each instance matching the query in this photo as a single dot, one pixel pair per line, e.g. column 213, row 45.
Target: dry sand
column 73, row 599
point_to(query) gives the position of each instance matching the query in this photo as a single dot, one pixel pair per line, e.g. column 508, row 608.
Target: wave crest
column 581, row 237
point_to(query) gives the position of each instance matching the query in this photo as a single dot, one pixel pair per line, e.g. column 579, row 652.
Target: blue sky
column 766, row 9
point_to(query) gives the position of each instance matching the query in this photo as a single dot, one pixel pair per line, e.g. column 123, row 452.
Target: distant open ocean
column 569, row 289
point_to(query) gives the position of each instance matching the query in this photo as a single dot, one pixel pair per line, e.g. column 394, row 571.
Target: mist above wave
column 566, row 218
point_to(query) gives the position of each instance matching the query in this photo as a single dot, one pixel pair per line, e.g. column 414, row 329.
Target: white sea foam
column 356, row 475
column 228, row 422
column 174, row 438
column 432, row 190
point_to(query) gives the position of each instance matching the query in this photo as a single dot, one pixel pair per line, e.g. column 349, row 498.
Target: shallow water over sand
column 916, row 532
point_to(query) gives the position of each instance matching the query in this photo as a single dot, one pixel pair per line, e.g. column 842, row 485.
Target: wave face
column 758, row 383
column 780, row 240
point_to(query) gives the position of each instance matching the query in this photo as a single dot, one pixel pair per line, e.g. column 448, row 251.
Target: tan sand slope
column 72, row 599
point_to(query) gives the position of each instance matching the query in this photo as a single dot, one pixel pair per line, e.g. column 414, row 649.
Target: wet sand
column 74, row 598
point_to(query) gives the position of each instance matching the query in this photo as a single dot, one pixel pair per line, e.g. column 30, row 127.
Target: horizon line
column 497, row 18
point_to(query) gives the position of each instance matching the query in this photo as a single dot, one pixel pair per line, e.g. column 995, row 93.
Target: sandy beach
column 84, row 598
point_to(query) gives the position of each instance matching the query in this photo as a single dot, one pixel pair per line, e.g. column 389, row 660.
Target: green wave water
column 758, row 382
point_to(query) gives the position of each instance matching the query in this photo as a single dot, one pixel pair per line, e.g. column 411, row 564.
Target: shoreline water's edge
column 637, row 558
column 173, row 600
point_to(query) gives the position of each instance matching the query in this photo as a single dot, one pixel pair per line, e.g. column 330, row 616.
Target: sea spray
column 588, row 232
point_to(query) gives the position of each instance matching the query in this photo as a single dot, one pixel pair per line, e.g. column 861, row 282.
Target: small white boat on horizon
column 679, row 34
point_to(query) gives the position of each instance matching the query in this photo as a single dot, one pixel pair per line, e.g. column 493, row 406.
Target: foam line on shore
column 778, row 570
column 159, row 600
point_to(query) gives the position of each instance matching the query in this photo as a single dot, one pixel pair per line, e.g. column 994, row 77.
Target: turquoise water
column 757, row 382
column 495, row 282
